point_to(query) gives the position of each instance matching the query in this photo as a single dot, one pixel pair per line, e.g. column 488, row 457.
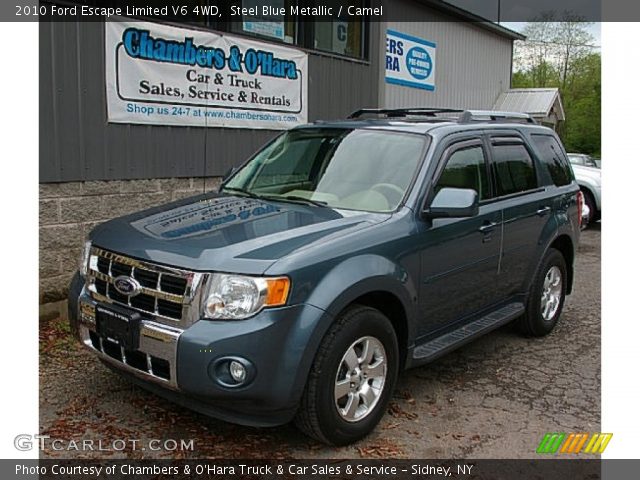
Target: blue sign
column 410, row 61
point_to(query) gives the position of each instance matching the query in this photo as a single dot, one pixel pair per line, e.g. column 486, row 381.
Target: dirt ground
column 494, row 398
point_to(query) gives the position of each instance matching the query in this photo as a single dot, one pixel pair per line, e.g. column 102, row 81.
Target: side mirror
column 230, row 172
column 453, row 203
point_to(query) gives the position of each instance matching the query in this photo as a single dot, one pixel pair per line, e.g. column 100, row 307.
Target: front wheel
column 546, row 297
column 352, row 378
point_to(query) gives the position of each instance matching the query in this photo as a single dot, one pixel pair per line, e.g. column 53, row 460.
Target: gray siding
column 473, row 65
column 77, row 143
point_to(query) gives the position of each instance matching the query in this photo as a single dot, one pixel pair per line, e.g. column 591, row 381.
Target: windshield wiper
column 241, row 190
column 292, row 198
column 296, row 198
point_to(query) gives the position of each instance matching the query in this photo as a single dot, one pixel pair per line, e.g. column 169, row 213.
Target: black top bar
column 402, row 112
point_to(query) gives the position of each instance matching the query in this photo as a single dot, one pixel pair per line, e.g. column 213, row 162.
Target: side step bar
column 450, row 341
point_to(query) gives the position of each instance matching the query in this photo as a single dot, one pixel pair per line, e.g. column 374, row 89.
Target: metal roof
column 473, row 18
column 537, row 102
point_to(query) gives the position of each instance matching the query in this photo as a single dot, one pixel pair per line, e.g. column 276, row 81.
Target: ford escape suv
column 339, row 255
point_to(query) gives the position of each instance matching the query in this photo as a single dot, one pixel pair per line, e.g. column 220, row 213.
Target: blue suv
column 339, row 255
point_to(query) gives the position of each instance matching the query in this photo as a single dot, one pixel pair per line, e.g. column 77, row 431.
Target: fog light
column 237, row 371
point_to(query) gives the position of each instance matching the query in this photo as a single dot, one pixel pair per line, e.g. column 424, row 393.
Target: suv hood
column 226, row 233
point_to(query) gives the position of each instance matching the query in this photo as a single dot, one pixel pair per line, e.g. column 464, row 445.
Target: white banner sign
column 162, row 75
column 410, row 61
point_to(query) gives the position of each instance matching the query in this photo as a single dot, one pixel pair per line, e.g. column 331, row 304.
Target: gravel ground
column 494, row 398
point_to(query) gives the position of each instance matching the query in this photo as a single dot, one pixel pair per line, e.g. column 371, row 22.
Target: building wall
column 473, row 65
column 77, row 143
column 92, row 171
column 69, row 210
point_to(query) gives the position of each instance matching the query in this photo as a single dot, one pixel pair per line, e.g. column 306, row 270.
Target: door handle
column 487, row 227
column 542, row 211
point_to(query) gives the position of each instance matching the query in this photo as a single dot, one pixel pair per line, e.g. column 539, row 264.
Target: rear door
column 526, row 208
column 459, row 256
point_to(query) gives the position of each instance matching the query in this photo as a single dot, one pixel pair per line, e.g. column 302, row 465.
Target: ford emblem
column 127, row 285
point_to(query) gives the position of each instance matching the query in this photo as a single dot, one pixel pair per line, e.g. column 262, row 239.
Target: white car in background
column 589, row 179
column 583, row 160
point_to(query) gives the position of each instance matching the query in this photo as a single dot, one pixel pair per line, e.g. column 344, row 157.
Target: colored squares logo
column 594, row 443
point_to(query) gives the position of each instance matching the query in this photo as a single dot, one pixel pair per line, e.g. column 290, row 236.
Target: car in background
column 583, row 160
column 586, row 212
column 590, row 182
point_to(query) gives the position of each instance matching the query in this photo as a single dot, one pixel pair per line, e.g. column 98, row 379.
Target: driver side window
column 466, row 168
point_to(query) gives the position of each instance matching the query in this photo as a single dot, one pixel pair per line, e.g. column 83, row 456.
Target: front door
column 459, row 256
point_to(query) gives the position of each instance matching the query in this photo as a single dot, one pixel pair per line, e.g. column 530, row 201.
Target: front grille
column 167, row 293
column 171, row 284
column 156, row 366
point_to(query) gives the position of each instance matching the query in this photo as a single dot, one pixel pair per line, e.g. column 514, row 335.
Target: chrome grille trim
column 188, row 303
column 158, row 294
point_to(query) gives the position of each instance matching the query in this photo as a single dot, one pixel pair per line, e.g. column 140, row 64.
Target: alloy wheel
column 360, row 379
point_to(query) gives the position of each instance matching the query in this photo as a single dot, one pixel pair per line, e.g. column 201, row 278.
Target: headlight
column 234, row 297
column 84, row 259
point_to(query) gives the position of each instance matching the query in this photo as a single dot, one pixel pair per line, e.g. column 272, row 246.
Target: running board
column 452, row 340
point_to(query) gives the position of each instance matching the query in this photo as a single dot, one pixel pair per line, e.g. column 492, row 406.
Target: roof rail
column 494, row 116
column 402, row 112
column 465, row 116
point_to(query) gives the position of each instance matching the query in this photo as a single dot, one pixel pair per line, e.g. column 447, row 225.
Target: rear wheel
column 546, row 297
column 352, row 378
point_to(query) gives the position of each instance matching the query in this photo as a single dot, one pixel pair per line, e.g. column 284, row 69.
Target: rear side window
column 553, row 159
column 514, row 170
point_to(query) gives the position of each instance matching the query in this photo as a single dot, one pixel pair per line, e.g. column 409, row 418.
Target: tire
column 591, row 203
column 319, row 415
column 538, row 322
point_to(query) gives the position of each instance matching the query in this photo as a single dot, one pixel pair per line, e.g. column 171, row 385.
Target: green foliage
column 582, row 102
column 561, row 54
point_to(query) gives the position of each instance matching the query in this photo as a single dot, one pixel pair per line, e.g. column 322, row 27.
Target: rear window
column 553, row 159
column 514, row 169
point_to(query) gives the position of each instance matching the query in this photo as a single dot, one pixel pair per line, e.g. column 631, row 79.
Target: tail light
column 580, row 204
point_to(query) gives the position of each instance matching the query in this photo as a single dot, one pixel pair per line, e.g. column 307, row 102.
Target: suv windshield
column 340, row 168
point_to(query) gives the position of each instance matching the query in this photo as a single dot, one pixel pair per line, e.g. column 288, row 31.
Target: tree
column 536, row 54
column 574, row 43
column 561, row 54
column 582, row 98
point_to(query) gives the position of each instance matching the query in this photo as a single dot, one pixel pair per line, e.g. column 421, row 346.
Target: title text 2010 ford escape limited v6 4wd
column 339, row 255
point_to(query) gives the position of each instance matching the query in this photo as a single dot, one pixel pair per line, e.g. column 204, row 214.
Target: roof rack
column 494, row 116
column 465, row 116
column 402, row 112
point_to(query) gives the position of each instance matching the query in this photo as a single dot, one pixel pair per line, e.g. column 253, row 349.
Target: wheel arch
column 589, row 189
column 564, row 244
column 391, row 307
column 374, row 281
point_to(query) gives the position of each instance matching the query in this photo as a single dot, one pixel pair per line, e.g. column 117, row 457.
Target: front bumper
column 180, row 365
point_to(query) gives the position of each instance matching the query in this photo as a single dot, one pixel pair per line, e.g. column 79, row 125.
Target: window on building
column 343, row 37
column 466, row 168
column 514, row 169
column 265, row 22
column 553, row 159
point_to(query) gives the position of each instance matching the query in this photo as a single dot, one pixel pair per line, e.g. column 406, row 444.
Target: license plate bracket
column 119, row 324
